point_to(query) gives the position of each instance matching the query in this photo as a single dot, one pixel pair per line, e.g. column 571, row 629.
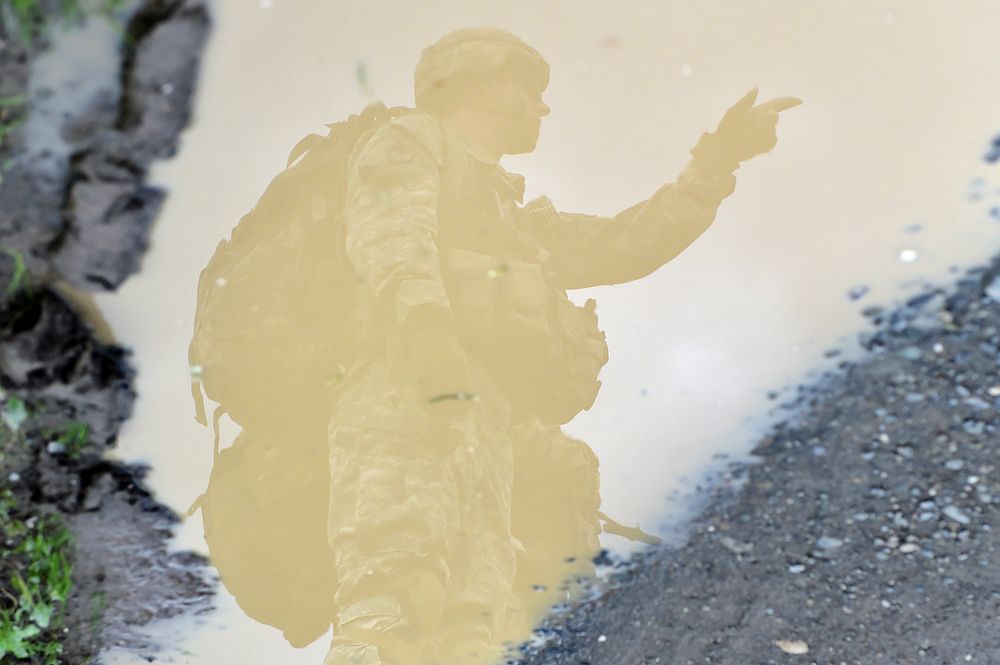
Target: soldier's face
column 518, row 99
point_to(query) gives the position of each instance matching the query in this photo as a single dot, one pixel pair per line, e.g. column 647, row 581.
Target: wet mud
column 93, row 97
column 865, row 532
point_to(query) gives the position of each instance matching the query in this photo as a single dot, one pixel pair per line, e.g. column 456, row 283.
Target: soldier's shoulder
column 415, row 127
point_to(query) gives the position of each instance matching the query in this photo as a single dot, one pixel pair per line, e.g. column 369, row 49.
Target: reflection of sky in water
column 891, row 135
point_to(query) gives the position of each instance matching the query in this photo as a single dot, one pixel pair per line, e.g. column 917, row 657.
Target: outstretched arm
column 589, row 250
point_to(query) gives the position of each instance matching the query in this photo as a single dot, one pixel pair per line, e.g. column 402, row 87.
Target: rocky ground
column 90, row 96
column 869, row 531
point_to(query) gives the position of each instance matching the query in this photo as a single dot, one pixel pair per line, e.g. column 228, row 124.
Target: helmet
column 471, row 49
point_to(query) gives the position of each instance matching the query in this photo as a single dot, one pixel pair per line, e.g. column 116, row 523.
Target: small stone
column 602, row 638
column 977, row 403
column 954, row 513
column 954, row 465
column 914, row 397
column 911, row 353
column 796, row 568
column 793, row 647
column 735, row 546
column 908, row 548
column 872, row 312
column 14, row 477
column 55, row 447
column 974, row 426
column 829, row 543
column 992, row 289
column 857, row 292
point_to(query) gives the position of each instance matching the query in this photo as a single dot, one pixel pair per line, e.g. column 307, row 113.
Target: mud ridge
column 75, row 215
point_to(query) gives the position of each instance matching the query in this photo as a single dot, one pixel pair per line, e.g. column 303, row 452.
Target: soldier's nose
column 543, row 109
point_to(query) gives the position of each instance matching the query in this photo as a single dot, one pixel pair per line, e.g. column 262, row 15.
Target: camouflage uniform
column 460, row 529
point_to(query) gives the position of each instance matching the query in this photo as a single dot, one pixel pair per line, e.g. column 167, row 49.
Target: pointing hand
column 745, row 131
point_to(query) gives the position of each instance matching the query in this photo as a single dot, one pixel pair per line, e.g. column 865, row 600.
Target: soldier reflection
column 390, row 328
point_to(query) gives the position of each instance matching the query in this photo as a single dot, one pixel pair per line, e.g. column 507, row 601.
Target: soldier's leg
column 391, row 503
column 393, row 507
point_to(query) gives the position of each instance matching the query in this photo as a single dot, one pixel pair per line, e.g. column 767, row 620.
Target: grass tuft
column 35, row 582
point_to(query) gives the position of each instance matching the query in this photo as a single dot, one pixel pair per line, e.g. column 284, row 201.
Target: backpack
column 269, row 346
column 269, row 343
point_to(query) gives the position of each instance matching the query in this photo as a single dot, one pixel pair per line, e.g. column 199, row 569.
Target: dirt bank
column 90, row 96
column 867, row 532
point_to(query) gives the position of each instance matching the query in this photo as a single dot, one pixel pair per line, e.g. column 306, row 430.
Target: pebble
column 793, row 647
column 954, row 465
column 908, row 548
column 735, row 546
column 977, row 403
column 954, row 513
column 796, row 568
column 55, row 447
column 974, row 426
column 857, row 292
column 829, row 543
column 993, row 289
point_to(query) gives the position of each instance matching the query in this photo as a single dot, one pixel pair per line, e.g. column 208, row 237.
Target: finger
column 746, row 102
column 779, row 104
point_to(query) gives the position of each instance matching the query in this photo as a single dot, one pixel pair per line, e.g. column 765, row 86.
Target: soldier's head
column 489, row 78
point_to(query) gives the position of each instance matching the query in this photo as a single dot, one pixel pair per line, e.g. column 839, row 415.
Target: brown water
column 898, row 109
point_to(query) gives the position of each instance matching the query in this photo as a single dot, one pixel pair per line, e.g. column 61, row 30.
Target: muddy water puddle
column 876, row 187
